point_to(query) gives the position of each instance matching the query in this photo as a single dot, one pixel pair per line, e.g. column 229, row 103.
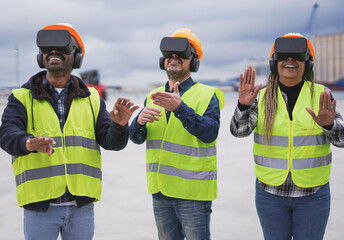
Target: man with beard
column 180, row 123
column 53, row 126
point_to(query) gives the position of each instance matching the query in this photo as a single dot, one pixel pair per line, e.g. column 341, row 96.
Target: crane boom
column 310, row 22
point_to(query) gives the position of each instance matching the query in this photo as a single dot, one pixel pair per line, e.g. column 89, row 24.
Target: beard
column 177, row 74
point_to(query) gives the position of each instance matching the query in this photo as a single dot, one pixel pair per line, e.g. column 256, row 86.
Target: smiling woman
column 294, row 121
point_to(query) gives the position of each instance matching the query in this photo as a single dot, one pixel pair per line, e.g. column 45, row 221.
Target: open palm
column 122, row 111
column 247, row 92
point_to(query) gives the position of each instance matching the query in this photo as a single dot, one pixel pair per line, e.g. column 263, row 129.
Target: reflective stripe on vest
column 299, row 146
column 52, row 171
column 168, row 170
column 194, row 175
column 74, row 141
column 152, row 167
column 182, row 149
column 77, row 141
column 304, row 163
column 178, row 164
column 299, row 163
column 297, row 140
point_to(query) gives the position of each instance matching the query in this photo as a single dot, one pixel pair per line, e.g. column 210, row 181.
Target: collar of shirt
column 50, row 87
column 294, row 90
column 183, row 87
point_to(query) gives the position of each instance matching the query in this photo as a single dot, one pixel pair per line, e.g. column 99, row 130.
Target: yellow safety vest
column 76, row 162
column 299, row 146
column 179, row 164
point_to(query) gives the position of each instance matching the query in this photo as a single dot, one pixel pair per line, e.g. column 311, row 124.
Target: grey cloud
column 122, row 37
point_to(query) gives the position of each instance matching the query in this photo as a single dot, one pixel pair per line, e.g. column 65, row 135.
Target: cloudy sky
column 122, row 37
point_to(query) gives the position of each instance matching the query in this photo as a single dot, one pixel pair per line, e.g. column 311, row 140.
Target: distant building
column 232, row 83
column 329, row 57
column 261, row 66
column 262, row 69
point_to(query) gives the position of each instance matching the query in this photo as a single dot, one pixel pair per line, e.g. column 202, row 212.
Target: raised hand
column 41, row 144
column 122, row 111
column 247, row 92
column 148, row 114
column 169, row 101
column 326, row 113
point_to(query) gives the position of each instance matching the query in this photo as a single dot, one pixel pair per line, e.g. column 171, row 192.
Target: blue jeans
column 304, row 218
column 73, row 223
column 178, row 218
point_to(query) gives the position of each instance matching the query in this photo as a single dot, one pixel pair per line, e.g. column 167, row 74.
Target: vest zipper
column 33, row 122
column 290, row 147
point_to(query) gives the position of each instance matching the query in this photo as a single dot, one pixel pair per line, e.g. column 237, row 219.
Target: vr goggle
column 176, row 45
column 59, row 40
column 295, row 48
column 180, row 46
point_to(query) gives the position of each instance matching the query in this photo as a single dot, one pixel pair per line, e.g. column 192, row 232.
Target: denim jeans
column 304, row 218
column 178, row 218
column 73, row 223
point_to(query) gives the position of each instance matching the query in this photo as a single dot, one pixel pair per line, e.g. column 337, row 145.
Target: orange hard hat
column 291, row 35
column 71, row 30
column 193, row 39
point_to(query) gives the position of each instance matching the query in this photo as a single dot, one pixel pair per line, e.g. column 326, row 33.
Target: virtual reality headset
column 59, row 40
column 177, row 45
column 295, row 48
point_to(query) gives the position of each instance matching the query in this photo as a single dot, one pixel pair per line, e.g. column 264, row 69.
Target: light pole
column 16, row 53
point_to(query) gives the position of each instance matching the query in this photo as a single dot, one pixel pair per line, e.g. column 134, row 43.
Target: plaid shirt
column 244, row 122
column 60, row 101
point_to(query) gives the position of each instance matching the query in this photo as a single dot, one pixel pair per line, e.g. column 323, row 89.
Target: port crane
column 307, row 33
